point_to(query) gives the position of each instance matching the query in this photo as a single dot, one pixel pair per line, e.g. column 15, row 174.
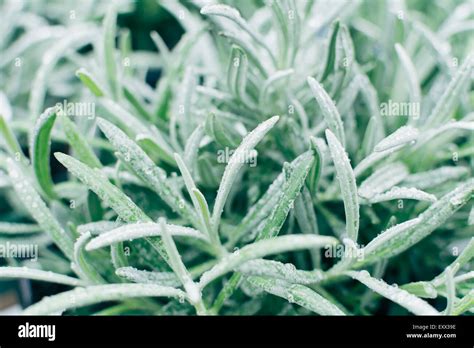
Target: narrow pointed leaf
column 79, row 144
column 235, row 164
column 40, row 148
column 347, row 183
column 37, row 274
column 402, row 297
column 263, row 248
column 328, row 109
column 90, row 295
column 139, row 230
column 298, row 294
column 38, row 209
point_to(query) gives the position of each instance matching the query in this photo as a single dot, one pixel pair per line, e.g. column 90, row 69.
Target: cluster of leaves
column 148, row 220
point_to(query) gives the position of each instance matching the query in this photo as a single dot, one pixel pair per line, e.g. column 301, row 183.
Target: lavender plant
column 293, row 158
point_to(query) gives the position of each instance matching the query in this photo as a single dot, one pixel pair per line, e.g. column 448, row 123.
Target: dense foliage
column 284, row 157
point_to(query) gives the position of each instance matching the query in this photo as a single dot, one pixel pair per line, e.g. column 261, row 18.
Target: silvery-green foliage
column 293, row 155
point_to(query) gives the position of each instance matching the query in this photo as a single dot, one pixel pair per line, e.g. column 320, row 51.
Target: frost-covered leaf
column 347, row 183
column 402, row 297
column 145, row 169
column 410, row 73
column 139, row 230
column 109, row 193
column 108, row 48
column 148, row 277
column 18, row 228
column 263, row 248
column 328, row 109
column 448, row 101
column 299, row 294
column 435, row 177
column 283, row 271
column 286, row 197
column 402, row 193
column 400, row 237
column 383, row 179
column 400, row 137
column 38, row 209
column 235, row 164
column 37, row 274
column 80, row 297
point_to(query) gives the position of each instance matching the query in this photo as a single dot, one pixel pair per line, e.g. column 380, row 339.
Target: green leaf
column 79, row 144
column 421, row 289
column 12, row 145
column 156, row 146
column 40, row 148
column 83, row 263
column 465, row 304
column 315, row 171
column 347, row 183
column 331, row 51
column 90, row 82
column 221, row 132
column 237, row 74
column 462, row 259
